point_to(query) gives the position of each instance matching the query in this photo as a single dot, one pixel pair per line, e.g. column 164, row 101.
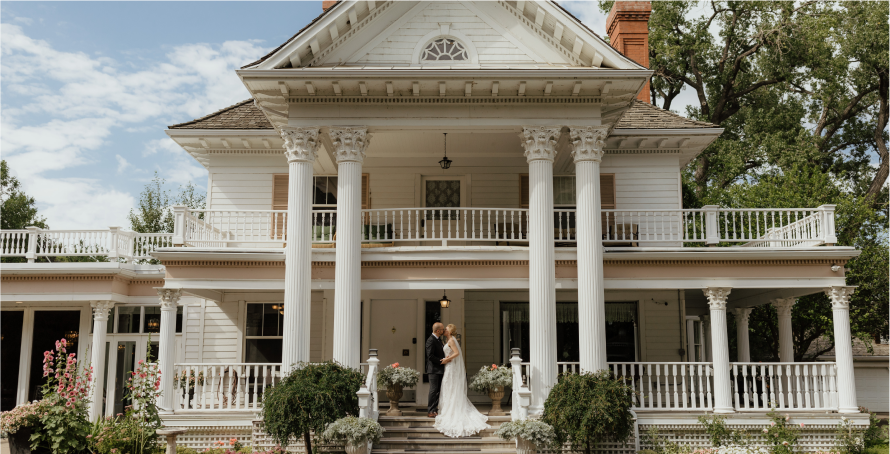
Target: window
column 564, row 191
column 139, row 320
column 324, row 195
column 444, row 49
column 265, row 326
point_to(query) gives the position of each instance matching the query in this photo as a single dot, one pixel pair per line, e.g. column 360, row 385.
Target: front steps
column 414, row 433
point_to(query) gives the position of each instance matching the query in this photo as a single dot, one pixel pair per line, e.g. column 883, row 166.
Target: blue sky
column 89, row 87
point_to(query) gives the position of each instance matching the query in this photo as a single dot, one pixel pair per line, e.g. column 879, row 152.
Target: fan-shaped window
column 445, row 49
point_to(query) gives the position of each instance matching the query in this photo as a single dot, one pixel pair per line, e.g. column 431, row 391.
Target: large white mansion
column 554, row 226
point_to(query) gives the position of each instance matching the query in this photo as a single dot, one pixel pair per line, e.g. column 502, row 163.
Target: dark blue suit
column 434, row 370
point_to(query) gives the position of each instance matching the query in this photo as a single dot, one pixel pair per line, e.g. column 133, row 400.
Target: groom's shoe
column 432, row 415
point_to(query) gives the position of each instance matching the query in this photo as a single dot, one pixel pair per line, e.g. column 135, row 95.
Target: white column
column 100, row 327
column 167, row 345
column 301, row 145
column 706, row 344
column 349, row 149
column 741, row 329
column 786, row 340
column 720, row 348
column 843, row 348
column 587, row 150
column 540, row 149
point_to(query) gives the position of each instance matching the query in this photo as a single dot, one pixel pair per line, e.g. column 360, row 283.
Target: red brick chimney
column 628, row 30
column 327, row 4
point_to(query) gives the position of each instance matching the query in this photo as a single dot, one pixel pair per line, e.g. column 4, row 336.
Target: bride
column 458, row 417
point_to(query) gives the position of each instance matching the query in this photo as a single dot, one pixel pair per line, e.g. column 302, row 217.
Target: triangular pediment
column 493, row 34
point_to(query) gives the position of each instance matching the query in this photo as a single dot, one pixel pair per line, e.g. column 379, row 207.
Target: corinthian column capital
column 840, row 296
column 717, row 296
column 539, row 142
column 300, row 144
column 169, row 297
column 783, row 306
column 101, row 309
column 742, row 314
column 588, row 142
column 350, row 143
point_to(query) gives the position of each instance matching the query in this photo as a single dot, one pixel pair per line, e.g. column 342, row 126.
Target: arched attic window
column 444, row 49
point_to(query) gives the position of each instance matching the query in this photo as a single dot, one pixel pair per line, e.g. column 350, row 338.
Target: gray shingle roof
column 244, row 115
column 643, row 115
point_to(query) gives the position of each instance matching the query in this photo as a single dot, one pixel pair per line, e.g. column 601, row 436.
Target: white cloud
column 76, row 102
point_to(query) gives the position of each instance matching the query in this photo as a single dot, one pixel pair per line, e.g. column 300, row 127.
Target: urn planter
column 394, row 393
column 20, row 443
column 496, row 395
column 361, row 448
column 525, row 447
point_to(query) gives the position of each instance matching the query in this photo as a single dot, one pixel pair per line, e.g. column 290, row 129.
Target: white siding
column 644, row 181
column 243, row 182
column 192, row 331
column 222, row 335
column 481, row 345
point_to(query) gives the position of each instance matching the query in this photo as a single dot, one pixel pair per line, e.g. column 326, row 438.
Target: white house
column 555, row 226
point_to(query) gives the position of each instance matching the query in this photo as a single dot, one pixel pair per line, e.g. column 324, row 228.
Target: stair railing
column 521, row 394
column 367, row 394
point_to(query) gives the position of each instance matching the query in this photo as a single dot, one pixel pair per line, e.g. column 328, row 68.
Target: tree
column 18, row 210
column 153, row 213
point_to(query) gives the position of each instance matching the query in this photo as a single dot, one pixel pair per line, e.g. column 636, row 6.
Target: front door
column 394, row 334
column 124, row 354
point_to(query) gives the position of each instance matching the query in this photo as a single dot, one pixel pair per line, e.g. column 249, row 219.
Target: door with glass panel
column 443, row 196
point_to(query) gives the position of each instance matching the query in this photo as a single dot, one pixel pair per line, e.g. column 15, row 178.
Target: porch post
column 540, row 149
column 786, row 340
column 720, row 343
column 587, row 150
column 349, row 149
column 100, row 327
column 741, row 328
column 301, row 145
column 843, row 348
column 167, row 345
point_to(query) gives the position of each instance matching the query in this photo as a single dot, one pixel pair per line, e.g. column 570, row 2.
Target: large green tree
column 18, row 210
column 153, row 213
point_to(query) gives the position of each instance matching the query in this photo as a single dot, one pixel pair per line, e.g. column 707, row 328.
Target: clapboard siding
column 644, row 181
column 481, row 345
column 661, row 338
column 316, row 336
column 192, row 332
column 222, row 335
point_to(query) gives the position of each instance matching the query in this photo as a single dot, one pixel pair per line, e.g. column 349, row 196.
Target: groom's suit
column 435, row 370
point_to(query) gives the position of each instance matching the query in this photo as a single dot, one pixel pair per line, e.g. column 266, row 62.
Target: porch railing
column 368, row 404
column 112, row 244
column 230, row 386
column 442, row 224
column 785, row 386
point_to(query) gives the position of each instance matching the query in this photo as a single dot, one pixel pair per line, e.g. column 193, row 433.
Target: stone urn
column 394, row 393
column 496, row 395
column 20, row 443
column 361, row 448
column 525, row 447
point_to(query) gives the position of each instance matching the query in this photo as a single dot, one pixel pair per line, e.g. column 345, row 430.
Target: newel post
column 113, row 248
column 829, row 231
column 180, row 212
column 33, row 232
column 712, row 227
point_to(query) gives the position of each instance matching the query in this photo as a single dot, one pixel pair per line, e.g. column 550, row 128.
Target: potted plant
column 531, row 435
column 355, row 433
column 17, row 424
column 394, row 378
column 493, row 380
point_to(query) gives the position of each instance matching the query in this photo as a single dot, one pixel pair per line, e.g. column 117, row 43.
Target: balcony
column 440, row 227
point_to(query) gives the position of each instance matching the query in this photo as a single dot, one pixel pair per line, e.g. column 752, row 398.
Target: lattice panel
column 203, row 437
column 813, row 437
column 263, row 442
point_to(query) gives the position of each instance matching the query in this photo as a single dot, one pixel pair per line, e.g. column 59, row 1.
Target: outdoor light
column 154, row 323
column 445, row 163
column 71, row 336
column 444, row 302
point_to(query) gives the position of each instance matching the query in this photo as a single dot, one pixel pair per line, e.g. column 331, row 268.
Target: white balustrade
column 805, row 231
column 220, row 228
column 444, row 224
column 232, row 386
column 13, row 243
column 145, row 243
column 785, row 386
column 628, row 226
column 368, row 404
column 112, row 244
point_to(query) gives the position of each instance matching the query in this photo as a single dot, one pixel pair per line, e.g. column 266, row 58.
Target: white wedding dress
column 457, row 415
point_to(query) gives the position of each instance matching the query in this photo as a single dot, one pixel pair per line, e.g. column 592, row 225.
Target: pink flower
column 801, row 424
column 765, row 430
column 784, row 443
column 233, row 441
column 772, row 423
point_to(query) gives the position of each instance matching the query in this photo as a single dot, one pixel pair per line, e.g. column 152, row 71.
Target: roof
column 643, row 115
column 244, row 115
column 273, row 51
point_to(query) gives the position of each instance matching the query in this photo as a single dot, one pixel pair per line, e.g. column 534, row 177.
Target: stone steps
column 413, row 433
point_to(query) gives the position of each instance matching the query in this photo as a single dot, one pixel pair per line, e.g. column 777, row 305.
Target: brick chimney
column 628, row 30
column 327, row 4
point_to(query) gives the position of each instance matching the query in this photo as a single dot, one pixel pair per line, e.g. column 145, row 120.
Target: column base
column 724, row 410
column 848, row 410
column 535, row 412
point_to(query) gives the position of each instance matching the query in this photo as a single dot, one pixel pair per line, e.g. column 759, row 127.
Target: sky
column 88, row 88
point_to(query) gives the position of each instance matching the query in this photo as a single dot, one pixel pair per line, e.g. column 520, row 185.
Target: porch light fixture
column 444, row 302
column 71, row 336
column 445, row 163
column 154, row 324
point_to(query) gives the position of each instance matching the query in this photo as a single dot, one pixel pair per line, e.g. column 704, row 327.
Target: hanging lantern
column 444, row 302
column 445, row 163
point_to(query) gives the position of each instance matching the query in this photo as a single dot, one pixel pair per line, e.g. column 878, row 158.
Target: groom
column 434, row 367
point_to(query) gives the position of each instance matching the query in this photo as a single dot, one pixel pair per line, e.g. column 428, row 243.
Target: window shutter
column 607, row 191
column 279, row 202
column 523, row 190
column 366, row 191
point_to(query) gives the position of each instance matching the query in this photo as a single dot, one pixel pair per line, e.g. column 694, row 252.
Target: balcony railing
column 113, row 244
column 231, row 386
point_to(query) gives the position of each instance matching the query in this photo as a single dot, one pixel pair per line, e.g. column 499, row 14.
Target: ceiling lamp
column 444, row 302
column 445, row 163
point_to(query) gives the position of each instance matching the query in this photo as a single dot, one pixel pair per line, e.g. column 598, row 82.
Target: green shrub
column 721, row 435
column 538, row 433
column 185, row 450
column 353, row 431
column 780, row 433
column 586, row 409
column 308, row 399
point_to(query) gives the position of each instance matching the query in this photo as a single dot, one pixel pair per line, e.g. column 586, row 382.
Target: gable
column 496, row 33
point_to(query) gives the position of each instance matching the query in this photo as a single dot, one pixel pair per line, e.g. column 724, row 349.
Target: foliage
column 188, row 379
column 230, row 446
column 732, row 449
column 27, row 415
column 396, row 375
column 353, row 431
column 134, row 432
column 857, row 440
column 539, row 433
column 721, row 435
column 63, row 426
column 18, row 210
column 490, row 377
column 153, row 214
column 586, row 409
column 780, row 433
column 309, row 398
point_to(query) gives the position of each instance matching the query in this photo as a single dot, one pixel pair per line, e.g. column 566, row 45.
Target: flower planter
column 394, row 393
column 361, row 448
column 525, row 447
column 496, row 395
column 20, row 443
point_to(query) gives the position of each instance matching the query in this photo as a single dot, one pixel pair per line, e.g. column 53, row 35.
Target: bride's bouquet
column 492, row 377
column 393, row 374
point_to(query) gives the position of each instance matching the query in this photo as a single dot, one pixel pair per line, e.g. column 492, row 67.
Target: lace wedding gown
column 457, row 415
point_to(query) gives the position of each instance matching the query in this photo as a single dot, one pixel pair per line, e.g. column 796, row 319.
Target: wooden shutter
column 607, row 191
column 366, row 191
column 279, row 202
